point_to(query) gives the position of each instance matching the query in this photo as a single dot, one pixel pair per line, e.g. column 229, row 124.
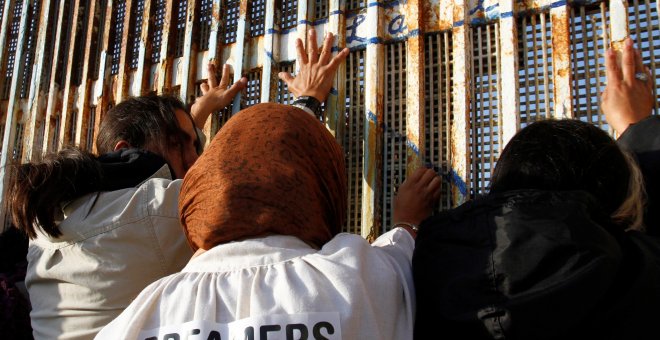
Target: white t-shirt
column 278, row 287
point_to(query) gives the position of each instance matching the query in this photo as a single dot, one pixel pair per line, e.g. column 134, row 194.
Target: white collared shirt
column 265, row 287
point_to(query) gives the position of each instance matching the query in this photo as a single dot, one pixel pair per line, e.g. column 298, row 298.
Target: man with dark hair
column 103, row 227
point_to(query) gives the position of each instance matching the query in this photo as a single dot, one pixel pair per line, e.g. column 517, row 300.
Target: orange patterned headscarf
column 272, row 169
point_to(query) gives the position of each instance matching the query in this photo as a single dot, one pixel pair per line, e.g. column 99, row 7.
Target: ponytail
column 37, row 190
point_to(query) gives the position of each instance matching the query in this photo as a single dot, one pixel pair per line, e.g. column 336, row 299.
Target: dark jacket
column 534, row 265
column 643, row 140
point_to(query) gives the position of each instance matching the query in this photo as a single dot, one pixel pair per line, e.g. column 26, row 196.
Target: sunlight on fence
column 437, row 83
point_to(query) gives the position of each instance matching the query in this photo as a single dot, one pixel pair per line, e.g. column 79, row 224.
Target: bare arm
column 626, row 99
column 215, row 96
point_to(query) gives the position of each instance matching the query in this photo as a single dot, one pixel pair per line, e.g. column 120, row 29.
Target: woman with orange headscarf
column 263, row 208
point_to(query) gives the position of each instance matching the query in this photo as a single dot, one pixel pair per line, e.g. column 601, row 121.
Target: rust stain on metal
column 374, row 87
column 243, row 9
column 162, row 80
column 458, row 12
column 563, row 73
column 445, row 15
column 479, row 15
column 53, row 90
column 415, row 88
column 145, row 49
column 104, row 96
column 618, row 26
column 432, row 17
column 414, row 104
column 561, row 43
column 561, row 69
column 214, row 51
column 215, row 13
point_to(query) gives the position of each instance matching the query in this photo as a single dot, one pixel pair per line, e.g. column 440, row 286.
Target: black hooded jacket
column 534, row 265
column 543, row 265
column 643, row 140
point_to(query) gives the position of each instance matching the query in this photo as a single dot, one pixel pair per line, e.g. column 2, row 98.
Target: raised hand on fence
column 416, row 197
column 215, row 96
column 628, row 96
column 317, row 69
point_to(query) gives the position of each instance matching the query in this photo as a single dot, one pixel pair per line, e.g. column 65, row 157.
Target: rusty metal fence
column 443, row 83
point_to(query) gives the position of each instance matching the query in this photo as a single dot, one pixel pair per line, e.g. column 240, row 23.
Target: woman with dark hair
column 102, row 228
column 555, row 250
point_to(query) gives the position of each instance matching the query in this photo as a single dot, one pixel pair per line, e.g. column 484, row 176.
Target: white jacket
column 278, row 287
column 113, row 245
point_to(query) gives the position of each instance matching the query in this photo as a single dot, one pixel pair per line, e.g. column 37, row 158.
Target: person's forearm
column 643, row 136
column 200, row 113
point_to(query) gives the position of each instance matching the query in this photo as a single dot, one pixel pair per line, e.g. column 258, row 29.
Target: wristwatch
column 309, row 104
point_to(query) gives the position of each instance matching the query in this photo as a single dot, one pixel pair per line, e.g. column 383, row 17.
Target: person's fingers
column 236, row 87
column 651, row 82
column 204, row 87
column 638, row 62
column 628, row 62
column 603, row 95
column 326, row 54
column 612, row 70
column 286, row 77
column 428, row 176
column 312, row 46
column 300, row 49
column 213, row 78
column 415, row 177
column 434, row 188
column 437, row 195
column 226, row 77
column 641, row 68
column 338, row 59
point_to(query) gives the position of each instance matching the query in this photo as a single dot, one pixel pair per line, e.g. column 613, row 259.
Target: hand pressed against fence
column 215, row 96
column 317, row 69
column 628, row 96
